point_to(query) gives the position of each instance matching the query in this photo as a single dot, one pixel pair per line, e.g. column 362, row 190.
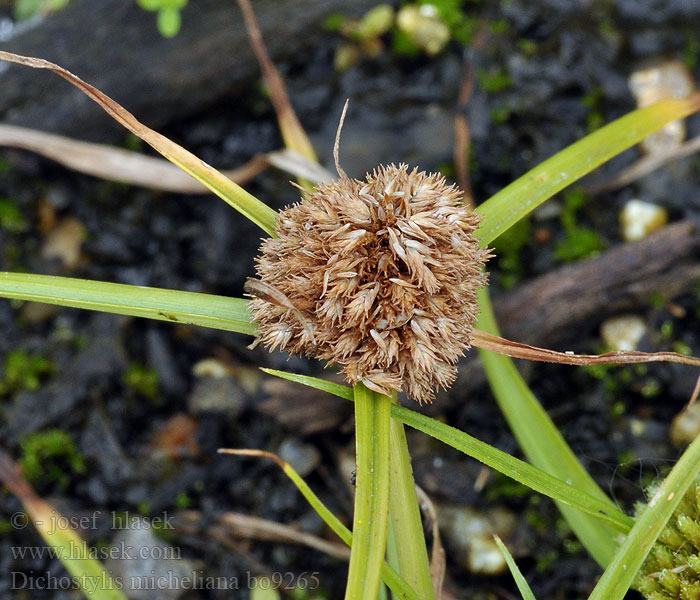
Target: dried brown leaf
column 494, row 343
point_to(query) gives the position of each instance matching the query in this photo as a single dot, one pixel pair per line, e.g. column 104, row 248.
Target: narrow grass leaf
column 520, row 581
column 205, row 310
column 533, row 477
column 86, row 572
column 526, row 193
column 542, row 442
column 622, row 570
column 397, row 585
column 371, row 513
column 244, row 202
column 405, row 517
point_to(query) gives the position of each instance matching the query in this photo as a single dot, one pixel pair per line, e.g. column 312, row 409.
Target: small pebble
column 469, row 534
column 147, row 567
column 670, row 79
column 685, row 426
column 64, row 242
column 211, row 367
column 220, row 395
column 303, row 458
column 623, row 332
column 426, row 30
column 638, row 219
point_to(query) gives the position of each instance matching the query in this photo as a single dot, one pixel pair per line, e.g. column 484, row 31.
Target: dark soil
column 567, row 62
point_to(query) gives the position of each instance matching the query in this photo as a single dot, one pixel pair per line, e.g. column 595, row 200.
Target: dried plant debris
column 378, row 276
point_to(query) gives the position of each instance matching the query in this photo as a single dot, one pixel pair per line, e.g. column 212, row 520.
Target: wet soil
column 154, row 453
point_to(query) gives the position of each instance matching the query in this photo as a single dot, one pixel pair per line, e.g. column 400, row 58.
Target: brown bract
column 378, row 276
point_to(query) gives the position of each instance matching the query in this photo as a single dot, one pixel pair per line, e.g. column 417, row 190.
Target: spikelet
column 377, row 276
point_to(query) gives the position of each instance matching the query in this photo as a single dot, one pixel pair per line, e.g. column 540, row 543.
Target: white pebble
column 638, row 219
column 623, row 332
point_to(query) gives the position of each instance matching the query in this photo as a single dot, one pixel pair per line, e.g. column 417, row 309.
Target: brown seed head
column 378, row 276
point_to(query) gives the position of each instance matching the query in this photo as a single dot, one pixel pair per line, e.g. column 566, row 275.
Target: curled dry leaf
column 487, row 341
column 227, row 190
column 117, row 164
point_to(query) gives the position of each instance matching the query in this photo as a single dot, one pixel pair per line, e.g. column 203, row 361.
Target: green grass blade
column 205, row 310
column 393, row 580
column 371, row 516
column 526, row 193
column 620, row 574
column 404, row 514
column 520, row 581
column 536, row 479
column 91, row 577
column 542, row 442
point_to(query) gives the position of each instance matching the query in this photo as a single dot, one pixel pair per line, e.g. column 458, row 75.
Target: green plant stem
column 522, row 472
column 542, row 442
column 620, row 574
column 371, row 515
column 407, row 526
column 399, row 588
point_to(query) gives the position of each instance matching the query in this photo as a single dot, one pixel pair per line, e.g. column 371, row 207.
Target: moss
column 579, row 242
column 24, row 371
column 508, row 248
column 682, row 348
column 25, row 9
column 651, row 388
column 499, row 114
column 50, row 457
column 592, row 100
column 11, row 218
column 666, row 330
column 527, row 47
column 494, row 80
column 691, row 52
column 501, row 487
column 142, row 381
column 182, row 500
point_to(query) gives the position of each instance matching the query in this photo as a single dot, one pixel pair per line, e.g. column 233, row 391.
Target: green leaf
column 542, row 442
column 526, row 193
column 622, row 570
column 169, row 22
column 371, row 515
column 520, row 471
column 405, row 517
column 520, row 581
column 397, row 585
column 205, row 310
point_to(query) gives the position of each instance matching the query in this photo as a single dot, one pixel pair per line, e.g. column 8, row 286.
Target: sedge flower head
column 377, row 276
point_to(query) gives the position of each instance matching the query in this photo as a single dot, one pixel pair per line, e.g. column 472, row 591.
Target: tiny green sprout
column 24, row 371
column 169, row 20
column 50, row 456
column 142, row 380
column 494, row 80
column 182, row 500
